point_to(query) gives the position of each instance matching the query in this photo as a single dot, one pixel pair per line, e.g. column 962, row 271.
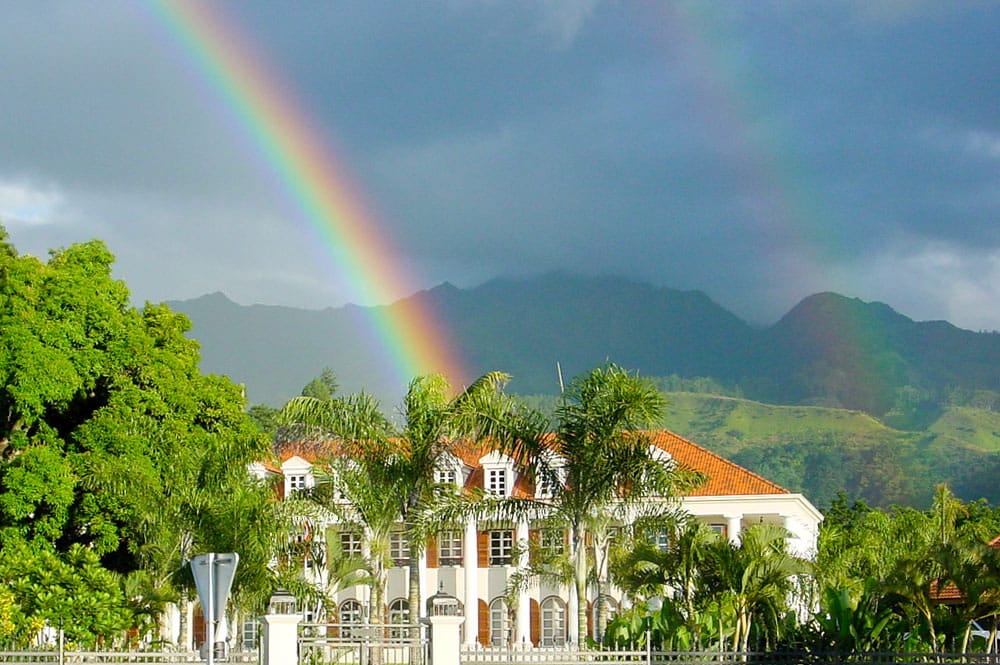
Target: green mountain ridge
column 909, row 403
column 821, row 451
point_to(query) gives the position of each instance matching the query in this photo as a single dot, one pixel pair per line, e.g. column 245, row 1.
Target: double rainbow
column 284, row 136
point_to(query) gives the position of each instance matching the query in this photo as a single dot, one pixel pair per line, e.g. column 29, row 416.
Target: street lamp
column 281, row 602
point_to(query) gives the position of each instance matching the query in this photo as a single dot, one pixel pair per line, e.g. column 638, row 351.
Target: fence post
column 445, row 616
column 279, row 643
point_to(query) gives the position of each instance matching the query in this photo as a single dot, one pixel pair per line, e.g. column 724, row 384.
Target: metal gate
column 362, row 644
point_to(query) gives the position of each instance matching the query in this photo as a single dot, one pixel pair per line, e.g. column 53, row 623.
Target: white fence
column 113, row 657
column 359, row 644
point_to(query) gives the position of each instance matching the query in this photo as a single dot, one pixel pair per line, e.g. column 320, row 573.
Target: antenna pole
column 562, row 388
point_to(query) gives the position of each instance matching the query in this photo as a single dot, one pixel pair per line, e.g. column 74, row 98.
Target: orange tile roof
column 724, row 478
column 950, row 594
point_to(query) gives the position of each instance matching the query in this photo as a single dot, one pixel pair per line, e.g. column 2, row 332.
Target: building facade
column 476, row 562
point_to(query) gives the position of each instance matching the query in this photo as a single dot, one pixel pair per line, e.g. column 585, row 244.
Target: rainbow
column 785, row 208
column 287, row 140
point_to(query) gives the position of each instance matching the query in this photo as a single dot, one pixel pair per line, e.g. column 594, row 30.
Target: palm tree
column 387, row 475
column 647, row 570
column 597, row 461
column 753, row 577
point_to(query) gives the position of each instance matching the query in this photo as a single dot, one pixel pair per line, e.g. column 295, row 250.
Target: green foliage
column 821, row 451
column 881, row 573
column 72, row 591
column 112, row 442
column 704, row 385
column 596, row 463
column 387, row 473
column 323, row 387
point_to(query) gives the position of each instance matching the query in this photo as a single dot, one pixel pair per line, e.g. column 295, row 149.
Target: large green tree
column 110, row 436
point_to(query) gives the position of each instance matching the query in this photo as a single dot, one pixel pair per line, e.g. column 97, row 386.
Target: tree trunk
column 184, row 626
column 376, row 612
column 414, row 599
column 601, row 546
column 580, row 582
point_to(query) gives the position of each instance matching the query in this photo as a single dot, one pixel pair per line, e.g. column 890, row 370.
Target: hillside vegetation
column 823, row 451
column 882, row 407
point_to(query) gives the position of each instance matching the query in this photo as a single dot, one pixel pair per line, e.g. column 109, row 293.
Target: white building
column 474, row 564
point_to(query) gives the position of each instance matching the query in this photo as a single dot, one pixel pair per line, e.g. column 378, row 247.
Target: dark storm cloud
column 758, row 151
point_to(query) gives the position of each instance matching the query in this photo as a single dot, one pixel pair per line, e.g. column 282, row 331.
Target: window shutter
column 483, row 548
column 432, row 552
column 536, row 623
column 484, row 623
column 534, row 542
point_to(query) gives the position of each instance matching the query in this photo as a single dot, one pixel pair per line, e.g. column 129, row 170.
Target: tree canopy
column 111, row 438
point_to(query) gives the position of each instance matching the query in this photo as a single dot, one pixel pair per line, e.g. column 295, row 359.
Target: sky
column 757, row 151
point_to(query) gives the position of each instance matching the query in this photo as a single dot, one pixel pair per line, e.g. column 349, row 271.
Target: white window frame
column 497, row 482
column 352, row 613
column 399, row 548
column 447, row 475
column 499, row 623
column 350, row 544
column 296, row 482
column 450, row 548
column 501, row 547
column 660, row 539
column 399, row 618
column 250, row 633
column 553, row 622
column 546, row 484
column 552, row 541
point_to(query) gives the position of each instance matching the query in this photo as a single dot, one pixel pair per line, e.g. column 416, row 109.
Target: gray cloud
column 758, row 151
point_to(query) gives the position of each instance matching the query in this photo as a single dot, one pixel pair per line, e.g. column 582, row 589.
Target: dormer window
column 550, row 474
column 498, row 474
column 298, row 475
column 449, row 470
column 547, row 482
column 296, row 482
column 446, row 476
column 496, row 482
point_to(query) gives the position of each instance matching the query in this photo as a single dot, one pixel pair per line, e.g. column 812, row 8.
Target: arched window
column 553, row 622
column 399, row 617
column 499, row 623
column 351, row 614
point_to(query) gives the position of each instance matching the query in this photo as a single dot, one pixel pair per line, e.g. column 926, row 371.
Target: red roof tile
column 724, row 478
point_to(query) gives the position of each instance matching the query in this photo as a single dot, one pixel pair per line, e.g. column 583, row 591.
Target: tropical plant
column 386, row 474
column 754, row 578
column 598, row 461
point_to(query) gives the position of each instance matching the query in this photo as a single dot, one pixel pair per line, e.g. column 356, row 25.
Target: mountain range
column 828, row 350
column 839, row 395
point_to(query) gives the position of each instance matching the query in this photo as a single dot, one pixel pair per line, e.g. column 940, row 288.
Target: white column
column 524, row 598
column 470, row 564
column 733, row 527
column 793, row 540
